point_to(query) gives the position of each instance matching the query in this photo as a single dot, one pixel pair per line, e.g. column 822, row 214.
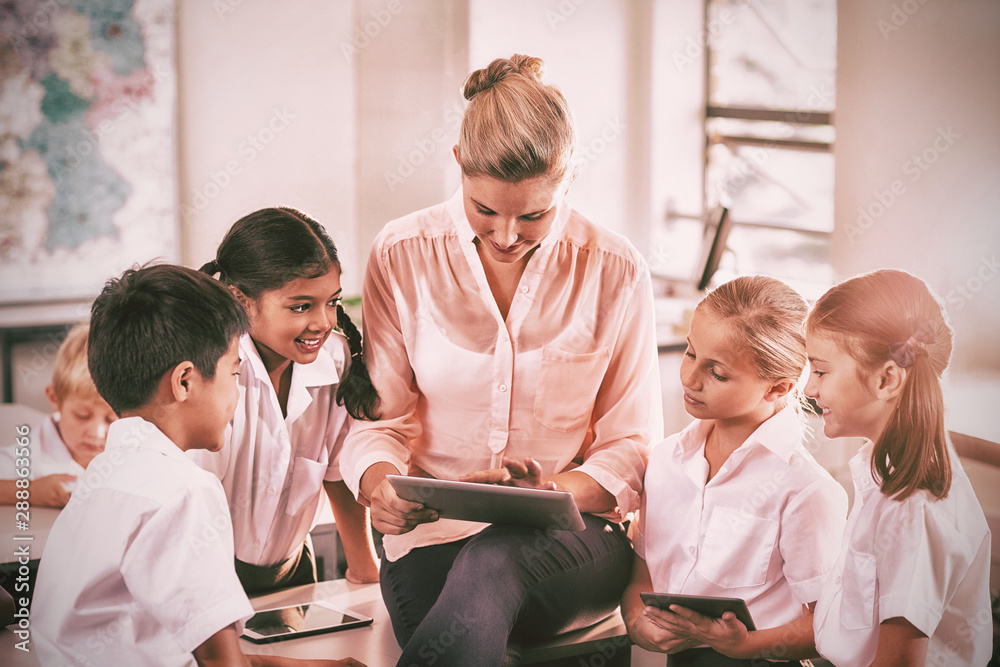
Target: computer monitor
column 717, row 232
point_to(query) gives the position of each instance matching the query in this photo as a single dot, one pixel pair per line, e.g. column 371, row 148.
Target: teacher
column 512, row 341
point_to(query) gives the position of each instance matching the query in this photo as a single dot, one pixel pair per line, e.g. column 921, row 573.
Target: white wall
column 409, row 77
column 921, row 80
column 266, row 117
column 373, row 92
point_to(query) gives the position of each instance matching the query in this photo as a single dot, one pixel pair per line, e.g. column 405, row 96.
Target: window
column 770, row 96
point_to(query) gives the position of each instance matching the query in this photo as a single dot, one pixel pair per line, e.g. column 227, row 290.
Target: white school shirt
column 138, row 567
column 571, row 374
column 921, row 559
column 49, row 455
column 272, row 466
column 765, row 529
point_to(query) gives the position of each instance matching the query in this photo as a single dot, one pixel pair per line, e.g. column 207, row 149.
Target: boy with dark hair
column 138, row 569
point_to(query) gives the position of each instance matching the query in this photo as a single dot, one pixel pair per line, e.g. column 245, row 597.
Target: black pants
column 472, row 602
column 706, row 657
column 297, row 570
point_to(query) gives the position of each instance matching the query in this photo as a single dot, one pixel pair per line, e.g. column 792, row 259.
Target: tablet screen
column 491, row 503
column 713, row 607
column 298, row 621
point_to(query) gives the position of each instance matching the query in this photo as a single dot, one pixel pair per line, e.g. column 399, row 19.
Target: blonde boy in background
column 67, row 440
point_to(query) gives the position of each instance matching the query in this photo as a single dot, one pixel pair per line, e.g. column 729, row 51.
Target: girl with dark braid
column 302, row 383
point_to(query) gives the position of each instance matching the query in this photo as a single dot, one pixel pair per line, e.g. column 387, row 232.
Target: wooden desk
column 376, row 646
column 605, row 643
column 373, row 645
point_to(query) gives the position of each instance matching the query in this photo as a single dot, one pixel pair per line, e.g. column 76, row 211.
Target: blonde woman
column 511, row 341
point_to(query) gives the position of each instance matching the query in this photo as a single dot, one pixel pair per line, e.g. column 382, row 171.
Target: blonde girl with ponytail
column 911, row 585
column 512, row 341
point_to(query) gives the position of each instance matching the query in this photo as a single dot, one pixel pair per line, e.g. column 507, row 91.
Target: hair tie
column 905, row 353
column 213, row 267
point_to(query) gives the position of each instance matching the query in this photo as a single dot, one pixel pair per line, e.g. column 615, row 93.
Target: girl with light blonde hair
column 734, row 506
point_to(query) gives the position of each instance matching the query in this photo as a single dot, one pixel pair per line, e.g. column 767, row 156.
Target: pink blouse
column 570, row 378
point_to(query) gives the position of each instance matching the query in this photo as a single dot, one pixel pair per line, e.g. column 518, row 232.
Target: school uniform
column 765, row 528
column 49, row 455
column 922, row 559
column 138, row 568
column 273, row 466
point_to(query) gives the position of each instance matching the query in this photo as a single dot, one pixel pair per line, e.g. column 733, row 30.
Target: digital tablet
column 273, row 625
column 706, row 606
column 490, row 503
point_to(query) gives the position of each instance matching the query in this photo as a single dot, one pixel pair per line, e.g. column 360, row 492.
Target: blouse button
column 524, row 289
column 503, row 387
column 691, row 550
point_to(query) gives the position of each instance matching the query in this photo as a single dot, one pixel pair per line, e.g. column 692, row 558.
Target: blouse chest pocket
column 567, row 386
column 306, row 484
column 858, row 590
column 737, row 548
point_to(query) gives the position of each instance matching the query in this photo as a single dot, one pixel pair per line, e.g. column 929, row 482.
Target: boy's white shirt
column 49, row 454
column 765, row 529
column 275, row 465
column 921, row 559
column 138, row 568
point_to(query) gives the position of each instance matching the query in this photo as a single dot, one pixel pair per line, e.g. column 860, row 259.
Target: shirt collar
column 137, row 432
column 250, row 355
column 861, row 467
column 694, row 435
column 780, row 434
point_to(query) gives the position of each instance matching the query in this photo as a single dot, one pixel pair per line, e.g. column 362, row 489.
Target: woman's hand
column 524, row 474
column 727, row 634
column 390, row 514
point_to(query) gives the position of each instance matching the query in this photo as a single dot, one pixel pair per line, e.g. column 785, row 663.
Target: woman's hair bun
column 498, row 70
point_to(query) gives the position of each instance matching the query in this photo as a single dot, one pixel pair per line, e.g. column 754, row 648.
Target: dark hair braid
column 356, row 391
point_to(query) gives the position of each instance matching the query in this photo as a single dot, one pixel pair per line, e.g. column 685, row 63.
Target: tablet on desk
column 712, row 607
column 490, row 503
column 272, row 625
